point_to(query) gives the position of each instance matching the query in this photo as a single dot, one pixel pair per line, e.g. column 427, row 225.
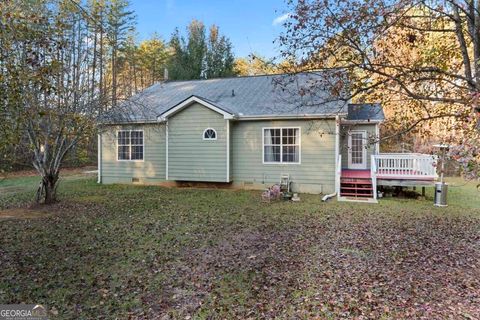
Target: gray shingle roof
column 365, row 112
column 315, row 93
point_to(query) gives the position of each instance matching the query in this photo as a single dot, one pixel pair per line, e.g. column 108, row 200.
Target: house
column 247, row 132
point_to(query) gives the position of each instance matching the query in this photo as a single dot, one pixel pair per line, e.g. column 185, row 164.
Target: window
column 209, row 134
column 130, row 145
column 281, row 145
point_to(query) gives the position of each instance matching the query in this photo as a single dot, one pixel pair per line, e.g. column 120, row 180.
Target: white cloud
column 280, row 19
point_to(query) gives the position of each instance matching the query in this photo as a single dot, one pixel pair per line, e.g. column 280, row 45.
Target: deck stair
column 358, row 188
column 386, row 169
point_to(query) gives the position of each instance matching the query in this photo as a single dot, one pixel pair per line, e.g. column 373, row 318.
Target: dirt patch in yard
column 24, row 213
column 32, row 173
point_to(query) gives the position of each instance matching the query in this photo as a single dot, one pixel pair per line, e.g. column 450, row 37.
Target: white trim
column 364, row 150
column 281, row 145
column 337, row 154
column 377, row 137
column 209, row 139
column 286, row 117
column 127, row 122
column 166, row 150
column 373, row 174
column 345, row 121
column 143, row 146
column 161, row 118
column 228, row 150
column 99, row 158
column 188, row 102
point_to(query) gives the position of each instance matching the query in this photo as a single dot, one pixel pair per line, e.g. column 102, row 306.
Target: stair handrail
column 373, row 165
column 338, row 174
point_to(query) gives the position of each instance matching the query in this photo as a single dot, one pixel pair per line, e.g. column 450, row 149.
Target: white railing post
column 373, row 174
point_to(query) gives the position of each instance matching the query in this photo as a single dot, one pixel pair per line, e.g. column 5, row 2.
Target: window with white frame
column 209, row 134
column 130, row 145
column 281, row 145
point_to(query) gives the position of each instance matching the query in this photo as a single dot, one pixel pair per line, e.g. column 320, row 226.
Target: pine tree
column 220, row 59
column 153, row 57
column 200, row 57
column 196, row 50
column 177, row 65
column 120, row 22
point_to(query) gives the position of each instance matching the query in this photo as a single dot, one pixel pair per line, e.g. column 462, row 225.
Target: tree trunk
column 134, row 65
column 114, row 74
column 48, row 189
column 94, row 63
column 101, row 81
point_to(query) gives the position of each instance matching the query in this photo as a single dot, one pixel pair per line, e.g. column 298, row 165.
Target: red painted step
column 364, row 195
column 351, row 180
column 356, row 187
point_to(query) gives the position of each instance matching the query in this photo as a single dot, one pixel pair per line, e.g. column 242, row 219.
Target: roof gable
column 191, row 100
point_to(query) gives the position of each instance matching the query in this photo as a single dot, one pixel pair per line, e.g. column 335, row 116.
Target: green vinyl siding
column 369, row 128
column 150, row 170
column 315, row 173
column 190, row 158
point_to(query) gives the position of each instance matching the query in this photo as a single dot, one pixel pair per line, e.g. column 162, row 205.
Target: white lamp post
column 441, row 187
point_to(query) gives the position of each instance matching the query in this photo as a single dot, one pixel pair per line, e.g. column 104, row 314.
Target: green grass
column 144, row 251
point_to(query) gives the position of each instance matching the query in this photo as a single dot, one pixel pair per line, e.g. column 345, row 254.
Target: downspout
column 337, row 151
column 99, row 158
column 166, row 150
column 228, row 151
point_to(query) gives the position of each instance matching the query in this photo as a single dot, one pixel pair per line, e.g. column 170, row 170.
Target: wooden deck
column 382, row 175
column 402, row 170
column 356, row 174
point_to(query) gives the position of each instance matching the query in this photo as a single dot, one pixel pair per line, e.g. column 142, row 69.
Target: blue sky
column 248, row 23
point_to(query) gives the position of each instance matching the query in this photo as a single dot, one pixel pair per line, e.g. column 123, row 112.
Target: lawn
column 151, row 252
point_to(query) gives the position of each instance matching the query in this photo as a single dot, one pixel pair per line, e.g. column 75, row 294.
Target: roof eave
column 289, row 116
column 127, row 122
column 350, row 121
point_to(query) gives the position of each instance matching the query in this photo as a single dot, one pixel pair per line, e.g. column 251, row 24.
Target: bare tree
column 59, row 101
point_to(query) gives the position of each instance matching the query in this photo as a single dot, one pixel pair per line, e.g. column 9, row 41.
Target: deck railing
column 404, row 166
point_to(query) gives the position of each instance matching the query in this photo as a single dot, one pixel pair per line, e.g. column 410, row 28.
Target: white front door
column 357, row 152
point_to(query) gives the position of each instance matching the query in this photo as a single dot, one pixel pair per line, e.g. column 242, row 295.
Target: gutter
column 362, row 121
column 299, row 116
column 241, row 118
column 130, row 122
